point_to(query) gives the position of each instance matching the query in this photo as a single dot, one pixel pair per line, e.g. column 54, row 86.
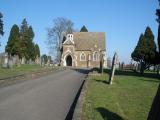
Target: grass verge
column 128, row 98
column 23, row 69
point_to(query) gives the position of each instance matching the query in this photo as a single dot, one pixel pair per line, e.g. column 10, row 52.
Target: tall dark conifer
column 83, row 29
column 24, row 38
column 1, row 24
column 30, row 50
column 145, row 51
column 151, row 46
column 158, row 20
column 37, row 51
column 27, row 35
column 13, row 46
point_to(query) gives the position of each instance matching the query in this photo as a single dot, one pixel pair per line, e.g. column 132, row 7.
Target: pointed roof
column 94, row 41
column 69, row 40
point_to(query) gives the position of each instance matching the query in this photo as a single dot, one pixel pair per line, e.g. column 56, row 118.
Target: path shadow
column 70, row 113
column 108, row 115
column 82, row 70
column 101, row 81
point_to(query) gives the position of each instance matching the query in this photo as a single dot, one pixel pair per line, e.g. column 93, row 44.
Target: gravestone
column 42, row 62
column 101, row 62
column 48, row 62
column 114, row 62
column 119, row 65
column 17, row 61
column 31, row 62
column 5, row 64
column 37, row 60
column 23, row 60
column 154, row 113
column 122, row 66
column 10, row 63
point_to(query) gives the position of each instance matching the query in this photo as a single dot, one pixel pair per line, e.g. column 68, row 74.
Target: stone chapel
column 83, row 49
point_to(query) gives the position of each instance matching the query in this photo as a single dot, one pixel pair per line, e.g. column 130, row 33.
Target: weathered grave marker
column 5, row 64
column 10, row 63
column 48, row 62
column 101, row 63
column 23, row 61
column 42, row 62
column 114, row 62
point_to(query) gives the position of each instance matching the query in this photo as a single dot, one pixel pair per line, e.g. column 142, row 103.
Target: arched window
column 82, row 57
column 95, row 56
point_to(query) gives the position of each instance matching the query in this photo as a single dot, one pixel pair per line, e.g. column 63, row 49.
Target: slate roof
column 89, row 40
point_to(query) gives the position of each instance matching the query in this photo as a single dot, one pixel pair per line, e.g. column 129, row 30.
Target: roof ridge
column 88, row 32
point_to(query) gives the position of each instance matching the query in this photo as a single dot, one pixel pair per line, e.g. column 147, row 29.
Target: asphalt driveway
column 44, row 98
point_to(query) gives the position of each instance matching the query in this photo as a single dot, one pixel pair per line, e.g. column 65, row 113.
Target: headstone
column 119, row 66
column 37, row 61
column 48, row 62
column 30, row 62
column 6, row 59
column 154, row 113
column 122, row 66
column 17, row 61
column 5, row 64
column 42, row 62
column 101, row 63
column 23, row 60
column 10, row 63
column 114, row 62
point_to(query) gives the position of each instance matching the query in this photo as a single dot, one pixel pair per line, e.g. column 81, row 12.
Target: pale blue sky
column 122, row 21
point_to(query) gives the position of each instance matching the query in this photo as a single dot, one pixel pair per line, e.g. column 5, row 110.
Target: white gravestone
column 114, row 62
column 5, row 64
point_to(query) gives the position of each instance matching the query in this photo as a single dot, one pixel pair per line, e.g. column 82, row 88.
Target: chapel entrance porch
column 68, row 60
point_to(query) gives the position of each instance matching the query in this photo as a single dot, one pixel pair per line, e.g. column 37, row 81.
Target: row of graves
column 7, row 61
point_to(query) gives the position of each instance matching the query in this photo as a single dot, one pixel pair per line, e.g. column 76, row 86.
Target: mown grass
column 4, row 73
column 128, row 98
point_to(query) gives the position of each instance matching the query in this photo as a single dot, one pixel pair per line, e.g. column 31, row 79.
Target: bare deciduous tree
column 60, row 26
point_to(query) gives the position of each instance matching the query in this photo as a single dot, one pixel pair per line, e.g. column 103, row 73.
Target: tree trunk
column 154, row 113
column 142, row 70
column 158, row 67
column 154, row 68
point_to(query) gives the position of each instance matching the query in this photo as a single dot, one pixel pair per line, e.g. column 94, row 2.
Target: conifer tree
column 158, row 20
column 24, row 38
column 30, row 47
column 151, row 46
column 37, row 51
column 83, row 29
column 1, row 24
column 145, row 51
column 27, row 45
column 44, row 58
column 13, row 45
column 157, row 59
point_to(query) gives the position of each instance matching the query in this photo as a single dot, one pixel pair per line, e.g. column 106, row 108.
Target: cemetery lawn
column 4, row 73
column 128, row 98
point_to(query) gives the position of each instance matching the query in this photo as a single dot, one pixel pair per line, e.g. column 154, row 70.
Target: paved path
column 45, row 98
